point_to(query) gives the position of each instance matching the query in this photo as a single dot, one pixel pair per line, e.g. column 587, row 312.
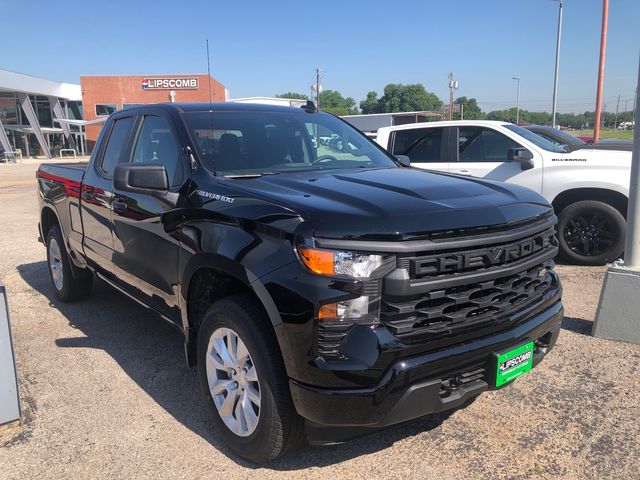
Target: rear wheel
column 243, row 379
column 591, row 233
column 67, row 287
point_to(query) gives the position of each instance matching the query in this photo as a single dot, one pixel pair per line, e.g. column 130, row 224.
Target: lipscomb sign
column 184, row 83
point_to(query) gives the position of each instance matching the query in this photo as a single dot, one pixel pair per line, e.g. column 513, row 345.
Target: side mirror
column 522, row 155
column 404, row 160
column 140, row 177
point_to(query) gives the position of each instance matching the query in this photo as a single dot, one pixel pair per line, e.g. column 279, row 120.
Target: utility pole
column 318, row 89
column 555, row 76
column 615, row 124
column 518, row 100
column 603, row 50
column 453, row 84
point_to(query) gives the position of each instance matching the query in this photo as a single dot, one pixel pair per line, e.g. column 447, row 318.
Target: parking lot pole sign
column 617, row 316
column 9, row 401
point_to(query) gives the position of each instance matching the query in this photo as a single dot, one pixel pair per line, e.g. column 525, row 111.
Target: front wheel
column 591, row 233
column 243, row 379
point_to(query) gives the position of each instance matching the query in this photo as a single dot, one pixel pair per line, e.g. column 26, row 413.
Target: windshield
column 567, row 138
column 536, row 139
column 262, row 142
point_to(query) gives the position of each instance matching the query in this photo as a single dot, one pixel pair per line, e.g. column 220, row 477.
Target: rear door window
column 116, row 143
column 421, row 145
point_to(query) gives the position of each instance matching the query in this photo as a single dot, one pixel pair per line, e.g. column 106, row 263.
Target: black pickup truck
column 323, row 291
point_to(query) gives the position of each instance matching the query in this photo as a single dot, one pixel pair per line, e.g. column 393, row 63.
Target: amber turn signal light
column 318, row 261
column 328, row 312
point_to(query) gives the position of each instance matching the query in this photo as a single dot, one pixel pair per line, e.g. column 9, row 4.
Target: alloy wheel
column 590, row 234
column 55, row 264
column 233, row 381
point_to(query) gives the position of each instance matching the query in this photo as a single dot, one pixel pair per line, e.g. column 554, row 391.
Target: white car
column 589, row 189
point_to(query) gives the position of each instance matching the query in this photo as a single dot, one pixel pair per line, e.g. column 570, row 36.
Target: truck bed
column 60, row 171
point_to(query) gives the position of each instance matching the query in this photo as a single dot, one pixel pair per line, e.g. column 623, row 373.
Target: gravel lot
column 106, row 394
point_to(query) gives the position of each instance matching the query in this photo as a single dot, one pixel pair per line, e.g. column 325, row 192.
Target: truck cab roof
column 216, row 107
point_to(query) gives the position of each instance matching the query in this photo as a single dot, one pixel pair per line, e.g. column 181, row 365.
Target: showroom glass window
column 105, row 109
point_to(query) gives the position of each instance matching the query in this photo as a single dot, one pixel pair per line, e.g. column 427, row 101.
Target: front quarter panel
column 244, row 237
column 570, row 171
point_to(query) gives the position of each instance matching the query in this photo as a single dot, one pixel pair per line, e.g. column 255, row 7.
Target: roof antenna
column 213, row 164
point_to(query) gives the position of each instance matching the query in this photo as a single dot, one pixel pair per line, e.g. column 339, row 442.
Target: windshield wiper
column 249, row 175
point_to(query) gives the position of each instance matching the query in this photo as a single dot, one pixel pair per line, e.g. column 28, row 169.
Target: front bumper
column 420, row 385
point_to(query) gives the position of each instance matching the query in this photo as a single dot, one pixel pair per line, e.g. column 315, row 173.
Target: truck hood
column 394, row 203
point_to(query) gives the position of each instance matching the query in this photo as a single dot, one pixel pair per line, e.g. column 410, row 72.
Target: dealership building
column 41, row 117
column 30, row 108
column 103, row 95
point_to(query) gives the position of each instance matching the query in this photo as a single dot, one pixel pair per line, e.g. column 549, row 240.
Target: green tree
column 508, row 115
column 470, row 109
column 369, row 104
column 537, row 118
column 407, row 98
column 300, row 96
column 332, row 101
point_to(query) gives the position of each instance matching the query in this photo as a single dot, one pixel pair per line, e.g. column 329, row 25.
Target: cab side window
column 421, row 145
column 479, row 144
column 115, row 145
column 156, row 144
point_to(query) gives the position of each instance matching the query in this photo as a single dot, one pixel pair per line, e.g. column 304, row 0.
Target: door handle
column 87, row 194
column 465, row 172
column 119, row 204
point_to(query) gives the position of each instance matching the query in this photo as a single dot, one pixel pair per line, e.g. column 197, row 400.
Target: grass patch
column 608, row 134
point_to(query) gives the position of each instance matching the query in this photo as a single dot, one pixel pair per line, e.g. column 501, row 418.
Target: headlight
column 368, row 268
column 352, row 264
column 363, row 310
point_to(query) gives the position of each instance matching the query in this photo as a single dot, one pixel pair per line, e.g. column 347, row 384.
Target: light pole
column 453, row 85
column 517, row 100
column 555, row 77
column 603, row 51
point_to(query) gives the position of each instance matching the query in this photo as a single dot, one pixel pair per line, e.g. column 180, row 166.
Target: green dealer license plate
column 514, row 363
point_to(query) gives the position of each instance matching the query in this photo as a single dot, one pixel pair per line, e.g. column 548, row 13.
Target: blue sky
column 267, row 47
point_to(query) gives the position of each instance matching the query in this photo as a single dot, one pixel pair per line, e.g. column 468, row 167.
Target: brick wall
column 128, row 89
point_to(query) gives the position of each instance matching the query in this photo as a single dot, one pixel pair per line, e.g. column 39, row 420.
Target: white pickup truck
column 588, row 188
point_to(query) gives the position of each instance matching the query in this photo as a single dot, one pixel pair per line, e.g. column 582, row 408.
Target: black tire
column 591, row 233
column 279, row 428
column 71, row 285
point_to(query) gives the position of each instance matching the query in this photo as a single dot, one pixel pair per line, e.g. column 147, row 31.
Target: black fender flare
column 228, row 267
column 240, row 272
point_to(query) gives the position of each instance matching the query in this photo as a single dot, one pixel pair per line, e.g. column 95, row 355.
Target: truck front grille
column 460, row 288
column 461, row 308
